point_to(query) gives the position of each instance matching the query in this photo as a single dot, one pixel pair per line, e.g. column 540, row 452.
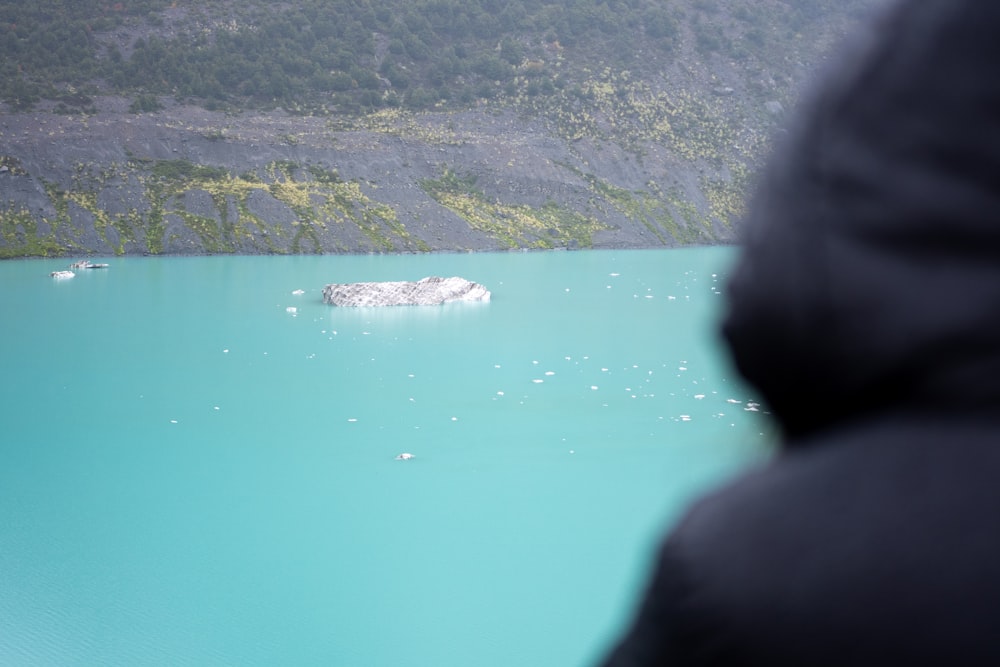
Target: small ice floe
column 61, row 275
column 298, row 292
column 699, row 396
column 538, row 381
column 499, row 393
column 752, row 407
column 593, row 387
column 614, row 275
column 550, row 372
column 405, row 456
column 685, row 418
column 173, row 421
column 733, row 401
column 292, row 310
column 351, row 420
column 225, row 351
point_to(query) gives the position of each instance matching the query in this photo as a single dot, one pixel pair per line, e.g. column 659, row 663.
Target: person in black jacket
column 865, row 307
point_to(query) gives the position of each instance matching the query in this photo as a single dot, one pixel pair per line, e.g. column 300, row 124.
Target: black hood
column 869, row 277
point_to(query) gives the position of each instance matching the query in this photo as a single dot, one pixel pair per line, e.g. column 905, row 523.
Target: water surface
column 190, row 473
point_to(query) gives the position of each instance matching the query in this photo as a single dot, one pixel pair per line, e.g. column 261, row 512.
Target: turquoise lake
column 193, row 474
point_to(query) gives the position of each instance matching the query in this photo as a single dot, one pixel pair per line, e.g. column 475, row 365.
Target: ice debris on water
column 405, row 456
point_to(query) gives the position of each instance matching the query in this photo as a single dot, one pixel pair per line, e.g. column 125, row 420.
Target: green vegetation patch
column 20, row 237
column 515, row 226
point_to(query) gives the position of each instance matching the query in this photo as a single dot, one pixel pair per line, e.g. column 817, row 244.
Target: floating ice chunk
column 173, row 421
column 216, row 407
column 499, row 393
column 298, row 292
column 454, row 419
column 699, row 396
column 405, row 456
column 352, row 419
column 685, row 418
column 593, row 387
column 538, row 381
column 292, row 309
column 226, row 351
column 733, row 401
column 550, row 372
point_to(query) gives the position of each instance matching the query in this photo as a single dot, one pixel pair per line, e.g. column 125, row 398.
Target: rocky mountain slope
column 650, row 152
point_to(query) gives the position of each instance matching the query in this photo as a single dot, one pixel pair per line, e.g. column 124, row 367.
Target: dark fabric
column 865, row 307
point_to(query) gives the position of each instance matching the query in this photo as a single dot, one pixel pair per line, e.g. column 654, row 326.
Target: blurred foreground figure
column 865, row 307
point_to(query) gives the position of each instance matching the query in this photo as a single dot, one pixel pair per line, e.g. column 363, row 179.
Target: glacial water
column 193, row 474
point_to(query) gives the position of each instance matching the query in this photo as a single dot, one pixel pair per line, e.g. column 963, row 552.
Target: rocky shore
column 189, row 181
